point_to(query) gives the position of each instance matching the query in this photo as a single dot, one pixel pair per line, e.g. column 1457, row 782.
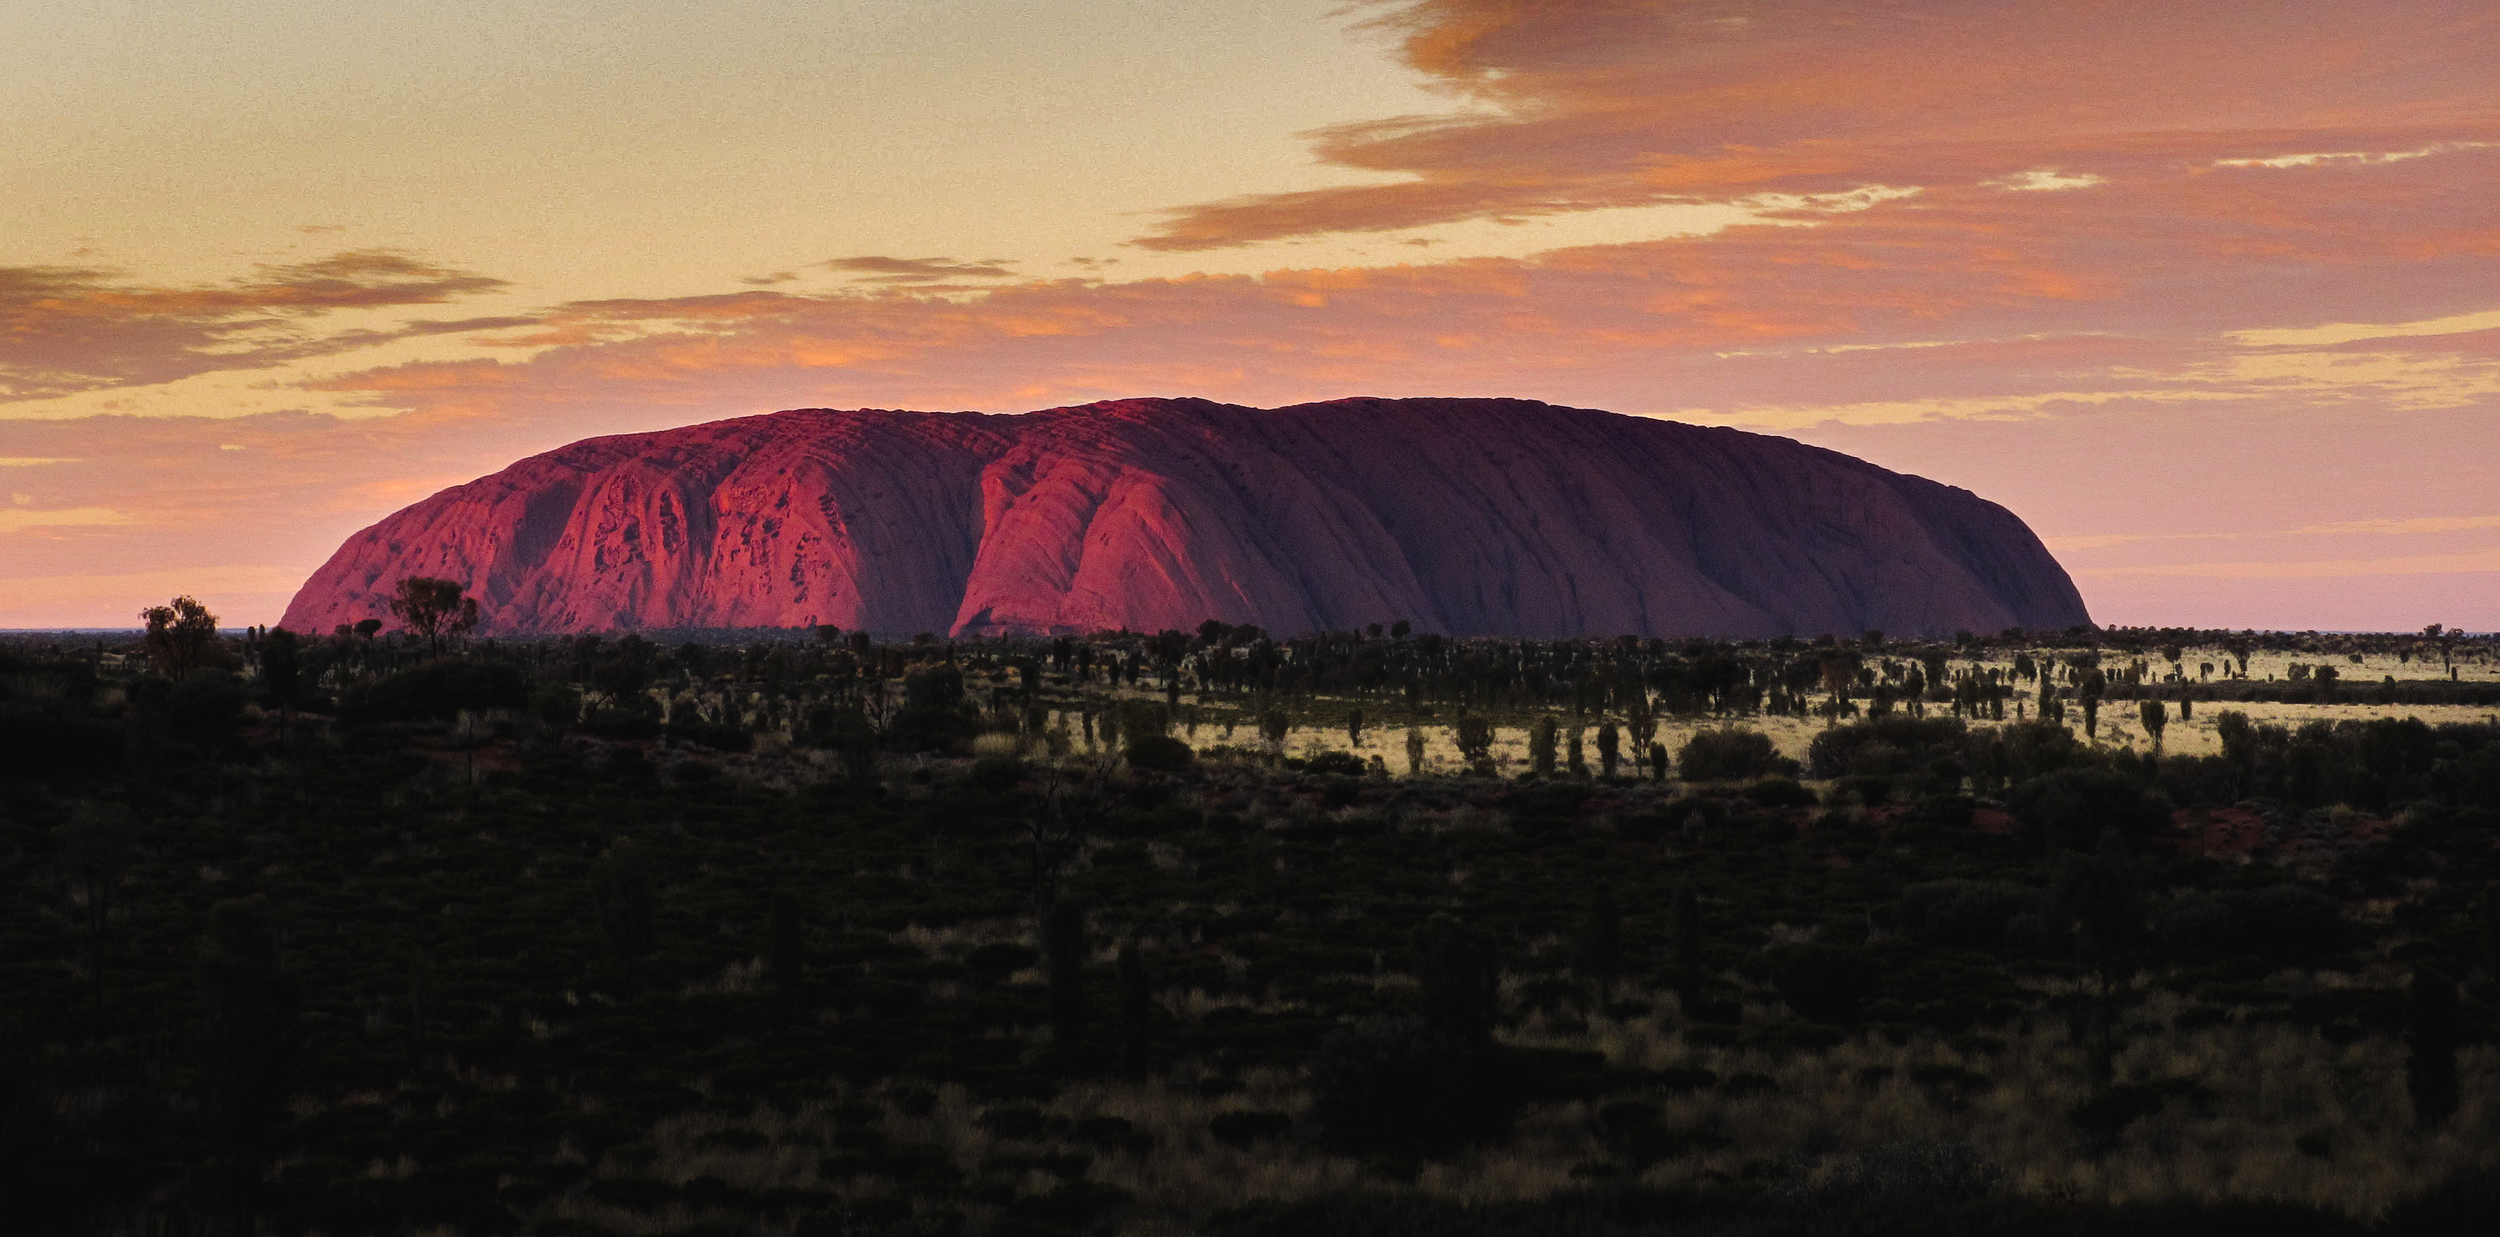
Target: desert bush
column 2071, row 807
column 2283, row 925
column 1728, row 754
column 439, row 690
column 1826, row 983
column 1397, row 1086
column 1964, row 914
column 1159, row 753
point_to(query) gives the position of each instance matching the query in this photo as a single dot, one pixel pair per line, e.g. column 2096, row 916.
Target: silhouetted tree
column 1136, row 1014
column 1275, row 726
column 1598, row 958
column 180, row 637
column 1414, row 751
column 2433, row 1031
column 1579, row 760
column 1609, row 748
column 95, row 849
column 1354, row 727
column 248, row 1044
column 1063, row 952
column 2156, row 718
column 625, row 902
column 1541, row 745
column 1460, row 982
column 785, row 966
column 282, row 672
column 2098, row 896
column 1474, row 738
column 1684, row 937
column 434, row 609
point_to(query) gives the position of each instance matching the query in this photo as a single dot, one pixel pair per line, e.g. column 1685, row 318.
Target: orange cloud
column 69, row 329
column 921, row 270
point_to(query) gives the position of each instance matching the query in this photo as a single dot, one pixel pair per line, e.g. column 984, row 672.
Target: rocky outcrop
column 1464, row 516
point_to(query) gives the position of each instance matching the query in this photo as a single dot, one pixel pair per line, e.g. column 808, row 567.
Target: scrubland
column 1127, row 934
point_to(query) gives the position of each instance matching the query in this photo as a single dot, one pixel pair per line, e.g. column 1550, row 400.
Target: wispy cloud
column 19, row 519
column 877, row 269
column 69, row 329
column 1614, row 103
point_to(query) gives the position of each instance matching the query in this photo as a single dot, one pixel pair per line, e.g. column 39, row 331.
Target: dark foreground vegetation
column 1206, row 933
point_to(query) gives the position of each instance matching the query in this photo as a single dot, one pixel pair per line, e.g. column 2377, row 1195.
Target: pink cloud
column 1616, row 103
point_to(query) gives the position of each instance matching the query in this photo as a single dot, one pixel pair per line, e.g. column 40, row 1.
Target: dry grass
column 2270, row 1084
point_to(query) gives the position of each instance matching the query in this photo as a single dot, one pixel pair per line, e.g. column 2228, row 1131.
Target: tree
column 1684, row 937
column 2098, row 897
column 1579, row 764
column 1609, row 748
column 1414, row 751
column 249, row 1040
column 1541, row 745
column 281, row 671
column 434, row 609
column 1354, row 727
column 1460, row 983
column 1474, row 737
column 623, row 900
column 2433, row 1031
column 1275, row 726
column 1063, row 953
column 95, row 850
column 1598, row 958
column 1136, row 1014
column 180, row 637
column 2156, row 718
column 785, row 967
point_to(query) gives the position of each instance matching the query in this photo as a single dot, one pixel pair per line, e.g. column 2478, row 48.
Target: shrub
column 1159, row 753
column 1781, row 792
column 1242, row 1127
column 439, row 690
column 2070, row 808
column 1394, row 1086
column 1964, row 914
column 2284, row 925
column 997, row 961
column 1825, row 983
column 1729, row 754
column 1901, row 1173
column 1336, row 764
column 1884, row 746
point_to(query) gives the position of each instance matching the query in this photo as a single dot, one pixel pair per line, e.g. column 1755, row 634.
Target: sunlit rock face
column 1465, row 516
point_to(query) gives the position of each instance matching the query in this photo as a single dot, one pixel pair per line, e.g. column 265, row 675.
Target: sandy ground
column 1319, row 726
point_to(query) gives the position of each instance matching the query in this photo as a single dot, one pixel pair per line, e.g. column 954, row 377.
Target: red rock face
column 1466, row 516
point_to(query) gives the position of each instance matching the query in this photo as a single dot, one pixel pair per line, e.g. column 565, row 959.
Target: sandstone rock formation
column 1466, row 516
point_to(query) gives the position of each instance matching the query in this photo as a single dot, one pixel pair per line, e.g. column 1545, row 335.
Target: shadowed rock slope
column 1467, row 516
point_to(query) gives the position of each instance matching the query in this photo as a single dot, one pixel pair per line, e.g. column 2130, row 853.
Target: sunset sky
column 2208, row 294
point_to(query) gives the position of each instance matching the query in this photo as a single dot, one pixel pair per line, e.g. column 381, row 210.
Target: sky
column 2207, row 294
